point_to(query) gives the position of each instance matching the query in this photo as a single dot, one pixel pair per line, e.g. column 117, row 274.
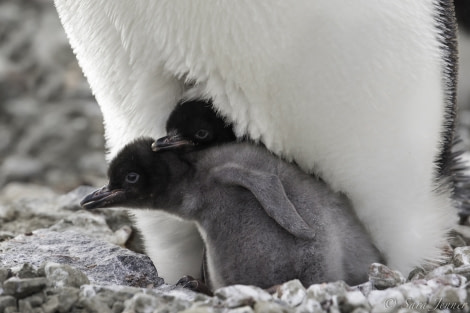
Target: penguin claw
column 188, row 282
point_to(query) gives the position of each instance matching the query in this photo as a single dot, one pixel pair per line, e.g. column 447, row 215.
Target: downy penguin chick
column 263, row 221
column 194, row 123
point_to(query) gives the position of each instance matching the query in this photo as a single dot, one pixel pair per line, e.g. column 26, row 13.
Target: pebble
column 292, row 292
column 383, row 277
column 241, row 295
column 24, row 287
column 7, row 302
column 440, row 271
column 461, row 256
column 63, row 275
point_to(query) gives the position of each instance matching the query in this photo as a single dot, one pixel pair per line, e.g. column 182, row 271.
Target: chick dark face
column 194, row 124
column 136, row 175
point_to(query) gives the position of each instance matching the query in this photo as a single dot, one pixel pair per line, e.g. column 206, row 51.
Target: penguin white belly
column 352, row 90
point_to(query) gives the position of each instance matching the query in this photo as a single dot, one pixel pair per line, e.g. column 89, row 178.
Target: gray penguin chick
column 263, row 220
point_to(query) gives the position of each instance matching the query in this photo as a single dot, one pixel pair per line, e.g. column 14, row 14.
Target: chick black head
column 194, row 124
column 138, row 177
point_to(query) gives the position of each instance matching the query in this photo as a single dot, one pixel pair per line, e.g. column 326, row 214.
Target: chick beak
column 171, row 142
column 102, row 198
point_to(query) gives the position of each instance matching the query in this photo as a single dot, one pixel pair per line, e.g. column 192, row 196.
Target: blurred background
column 51, row 130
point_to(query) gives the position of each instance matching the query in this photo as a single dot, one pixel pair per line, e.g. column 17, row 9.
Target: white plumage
column 351, row 90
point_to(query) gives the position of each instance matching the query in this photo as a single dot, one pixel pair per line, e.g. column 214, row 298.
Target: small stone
column 11, row 310
column 292, row 293
column 35, row 300
column 62, row 275
column 6, row 302
column 117, row 307
column 142, row 303
column 52, row 304
column 6, row 235
column 4, row 274
column 389, row 300
column 461, row 256
column 352, row 300
column 241, row 295
column 416, row 274
column 417, row 295
column 440, row 271
column 269, row 307
column 27, row 271
column 25, row 306
column 456, row 240
column 197, row 309
column 453, row 280
column 463, row 270
column 383, row 277
column 364, row 288
column 309, row 305
column 24, row 287
column 96, row 305
column 450, row 298
column 324, row 292
column 68, row 296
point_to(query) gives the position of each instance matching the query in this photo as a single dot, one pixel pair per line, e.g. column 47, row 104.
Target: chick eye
column 202, row 134
column 132, row 178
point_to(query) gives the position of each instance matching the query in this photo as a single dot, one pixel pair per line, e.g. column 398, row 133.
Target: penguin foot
column 195, row 285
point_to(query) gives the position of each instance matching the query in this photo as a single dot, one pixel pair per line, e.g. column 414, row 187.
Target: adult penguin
column 360, row 92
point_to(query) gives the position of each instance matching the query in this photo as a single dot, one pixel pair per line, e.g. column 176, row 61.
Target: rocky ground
column 55, row 257
column 52, row 252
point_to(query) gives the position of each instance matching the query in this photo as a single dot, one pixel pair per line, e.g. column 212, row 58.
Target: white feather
column 352, row 90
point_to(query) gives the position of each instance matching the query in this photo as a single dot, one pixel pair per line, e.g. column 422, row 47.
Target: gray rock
column 382, row 277
column 461, row 256
column 240, row 295
column 26, row 271
column 453, row 280
column 102, row 262
column 456, row 240
column 67, row 297
column 353, row 300
column 4, row 274
column 271, row 307
column 440, row 271
column 52, row 304
column 417, row 274
column 325, row 293
column 93, row 225
column 463, row 270
column 390, row 300
column 34, row 301
column 310, row 305
column 63, row 275
column 7, row 302
column 293, row 293
column 23, row 287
